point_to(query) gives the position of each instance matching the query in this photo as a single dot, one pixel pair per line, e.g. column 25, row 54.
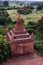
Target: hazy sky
column 21, row 0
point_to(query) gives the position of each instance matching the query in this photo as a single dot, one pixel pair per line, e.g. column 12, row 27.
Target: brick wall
column 22, row 48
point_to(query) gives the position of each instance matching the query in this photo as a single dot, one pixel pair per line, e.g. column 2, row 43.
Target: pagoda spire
column 19, row 23
column 19, row 16
column 19, row 19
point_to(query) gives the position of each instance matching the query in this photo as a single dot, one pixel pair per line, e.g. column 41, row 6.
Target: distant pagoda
column 24, row 8
column 21, row 41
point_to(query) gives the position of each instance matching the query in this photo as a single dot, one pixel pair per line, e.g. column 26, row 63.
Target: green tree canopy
column 5, row 3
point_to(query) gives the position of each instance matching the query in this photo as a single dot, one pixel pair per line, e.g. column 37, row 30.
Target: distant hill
column 1, row 2
column 20, row 2
column 32, row 3
column 35, row 3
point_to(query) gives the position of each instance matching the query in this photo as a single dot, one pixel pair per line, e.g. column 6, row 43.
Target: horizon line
column 23, row 0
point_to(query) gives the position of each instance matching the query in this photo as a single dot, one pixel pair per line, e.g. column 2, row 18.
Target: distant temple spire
column 24, row 8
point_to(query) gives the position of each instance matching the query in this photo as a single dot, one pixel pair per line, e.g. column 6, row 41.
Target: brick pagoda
column 24, row 8
column 21, row 41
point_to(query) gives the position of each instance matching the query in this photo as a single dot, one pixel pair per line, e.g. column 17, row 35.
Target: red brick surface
column 25, row 61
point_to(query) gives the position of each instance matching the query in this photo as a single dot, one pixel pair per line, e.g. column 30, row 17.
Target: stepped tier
column 18, row 37
column 22, row 31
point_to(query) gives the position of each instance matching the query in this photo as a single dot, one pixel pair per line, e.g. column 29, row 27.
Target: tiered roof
column 18, row 34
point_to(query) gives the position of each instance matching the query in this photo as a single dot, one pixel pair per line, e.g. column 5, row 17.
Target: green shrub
column 39, row 46
column 4, row 18
column 24, row 12
column 11, row 26
column 5, row 51
column 31, row 27
column 40, row 25
column 38, row 36
column 2, row 30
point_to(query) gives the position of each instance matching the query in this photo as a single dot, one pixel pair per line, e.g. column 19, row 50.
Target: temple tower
column 21, row 41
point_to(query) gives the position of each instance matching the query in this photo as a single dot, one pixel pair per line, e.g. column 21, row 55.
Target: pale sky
column 21, row 0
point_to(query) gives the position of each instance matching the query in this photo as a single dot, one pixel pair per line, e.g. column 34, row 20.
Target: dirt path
column 25, row 60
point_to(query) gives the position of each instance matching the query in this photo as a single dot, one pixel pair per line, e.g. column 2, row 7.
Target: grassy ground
column 30, row 17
